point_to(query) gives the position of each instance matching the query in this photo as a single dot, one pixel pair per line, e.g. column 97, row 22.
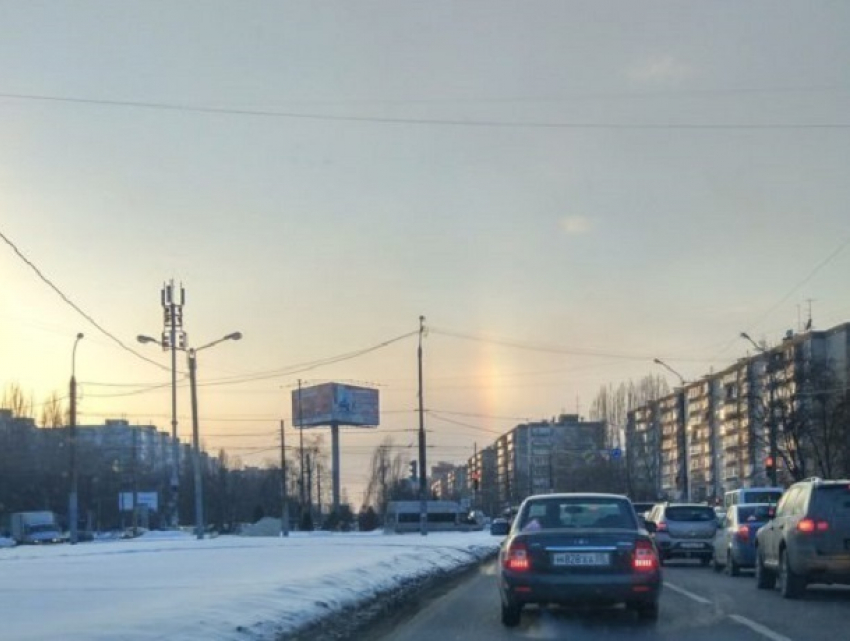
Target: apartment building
column 643, row 453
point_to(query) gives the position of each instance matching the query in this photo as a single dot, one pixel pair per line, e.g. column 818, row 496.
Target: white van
column 769, row 495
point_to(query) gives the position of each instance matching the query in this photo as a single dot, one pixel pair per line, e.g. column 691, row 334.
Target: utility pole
column 135, row 479
column 196, row 448
column 284, row 519
column 310, row 489
column 423, row 495
column 73, row 509
column 172, row 334
column 301, row 491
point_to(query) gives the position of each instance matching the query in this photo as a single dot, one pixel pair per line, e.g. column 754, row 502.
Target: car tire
column 715, row 565
column 732, row 568
column 791, row 584
column 511, row 614
column 765, row 579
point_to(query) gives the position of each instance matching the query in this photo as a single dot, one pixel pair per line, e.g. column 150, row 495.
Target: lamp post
column 773, row 446
column 683, row 438
column 423, row 480
column 196, row 455
column 73, row 516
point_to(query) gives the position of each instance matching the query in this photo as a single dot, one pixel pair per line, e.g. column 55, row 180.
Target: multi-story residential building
column 700, row 433
column 714, row 435
column 540, row 457
column 643, row 453
column 483, row 480
column 671, row 421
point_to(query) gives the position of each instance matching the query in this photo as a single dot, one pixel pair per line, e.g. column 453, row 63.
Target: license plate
column 691, row 546
column 581, row 559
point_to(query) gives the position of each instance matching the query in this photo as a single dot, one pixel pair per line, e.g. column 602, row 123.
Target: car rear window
column 558, row 513
column 689, row 513
column 833, row 499
column 753, row 513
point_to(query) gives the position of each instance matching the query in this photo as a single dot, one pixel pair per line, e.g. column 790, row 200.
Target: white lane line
column 684, row 592
column 758, row 627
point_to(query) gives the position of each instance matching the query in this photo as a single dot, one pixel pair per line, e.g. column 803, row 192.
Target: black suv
column 807, row 540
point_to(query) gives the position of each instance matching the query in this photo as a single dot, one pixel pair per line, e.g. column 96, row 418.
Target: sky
column 565, row 190
column 247, row 588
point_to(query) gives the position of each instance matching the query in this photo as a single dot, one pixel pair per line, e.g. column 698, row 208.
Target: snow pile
column 170, row 585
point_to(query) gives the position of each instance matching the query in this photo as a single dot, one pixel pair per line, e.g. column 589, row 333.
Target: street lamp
column 771, row 419
column 73, row 517
column 196, row 459
column 196, row 453
column 683, row 438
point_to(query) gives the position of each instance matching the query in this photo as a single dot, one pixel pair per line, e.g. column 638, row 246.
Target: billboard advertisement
column 150, row 500
column 338, row 403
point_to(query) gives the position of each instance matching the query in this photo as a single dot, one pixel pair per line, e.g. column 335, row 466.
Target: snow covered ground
column 172, row 586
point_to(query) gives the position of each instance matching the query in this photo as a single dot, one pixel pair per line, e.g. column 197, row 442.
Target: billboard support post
column 333, row 405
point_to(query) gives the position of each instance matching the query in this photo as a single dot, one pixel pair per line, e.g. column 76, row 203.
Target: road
column 697, row 605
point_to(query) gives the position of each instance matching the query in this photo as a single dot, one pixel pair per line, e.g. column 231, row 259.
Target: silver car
column 684, row 531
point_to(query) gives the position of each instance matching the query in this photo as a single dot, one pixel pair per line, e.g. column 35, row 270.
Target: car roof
column 578, row 495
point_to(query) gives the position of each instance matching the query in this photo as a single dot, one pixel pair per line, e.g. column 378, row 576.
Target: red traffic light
column 769, row 462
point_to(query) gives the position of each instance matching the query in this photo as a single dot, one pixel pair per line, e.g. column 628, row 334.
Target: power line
column 555, row 349
column 162, row 106
column 73, row 305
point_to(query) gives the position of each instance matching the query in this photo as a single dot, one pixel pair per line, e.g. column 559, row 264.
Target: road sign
column 616, row 453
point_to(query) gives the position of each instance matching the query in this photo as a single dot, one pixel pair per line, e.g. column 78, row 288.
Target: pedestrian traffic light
column 769, row 464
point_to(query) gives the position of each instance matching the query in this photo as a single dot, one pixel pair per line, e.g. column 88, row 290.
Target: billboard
column 150, row 500
column 335, row 403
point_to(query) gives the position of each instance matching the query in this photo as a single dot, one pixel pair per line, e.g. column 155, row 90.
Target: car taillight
column 807, row 526
column 644, row 559
column 517, row 558
column 743, row 533
column 661, row 527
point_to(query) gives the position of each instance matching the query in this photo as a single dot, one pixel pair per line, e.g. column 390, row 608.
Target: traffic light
column 769, row 464
column 413, row 467
column 476, row 480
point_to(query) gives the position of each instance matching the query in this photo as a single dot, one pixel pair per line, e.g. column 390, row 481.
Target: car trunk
column 686, row 523
column 832, row 504
column 581, row 551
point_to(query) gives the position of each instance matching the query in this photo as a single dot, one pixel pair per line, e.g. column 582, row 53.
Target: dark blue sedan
column 734, row 543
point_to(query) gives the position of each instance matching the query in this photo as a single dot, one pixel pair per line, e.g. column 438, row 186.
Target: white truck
column 35, row 528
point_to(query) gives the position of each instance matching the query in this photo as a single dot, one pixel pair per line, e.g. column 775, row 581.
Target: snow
column 169, row 585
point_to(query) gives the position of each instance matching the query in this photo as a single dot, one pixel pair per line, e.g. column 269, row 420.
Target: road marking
column 684, row 592
column 758, row 627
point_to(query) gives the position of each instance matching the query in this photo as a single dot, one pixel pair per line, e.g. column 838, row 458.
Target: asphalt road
column 696, row 605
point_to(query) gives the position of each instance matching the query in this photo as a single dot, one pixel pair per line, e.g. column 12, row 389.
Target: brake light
column 807, row 526
column 644, row 559
column 661, row 527
column 517, row 558
column 743, row 533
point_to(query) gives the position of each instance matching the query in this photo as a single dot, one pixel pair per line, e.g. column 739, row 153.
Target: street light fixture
column 773, row 446
column 196, row 457
column 73, row 512
column 196, row 451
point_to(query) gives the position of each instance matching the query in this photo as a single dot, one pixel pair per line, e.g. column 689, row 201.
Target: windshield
column 688, row 513
column 762, row 496
column 548, row 514
column 753, row 513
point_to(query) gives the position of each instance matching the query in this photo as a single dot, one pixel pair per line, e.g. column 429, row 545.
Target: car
column 684, row 531
column 500, row 526
column 735, row 541
column 808, row 538
column 642, row 507
column 578, row 548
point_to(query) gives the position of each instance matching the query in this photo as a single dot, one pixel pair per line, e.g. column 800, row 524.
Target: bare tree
column 14, row 399
column 52, row 413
